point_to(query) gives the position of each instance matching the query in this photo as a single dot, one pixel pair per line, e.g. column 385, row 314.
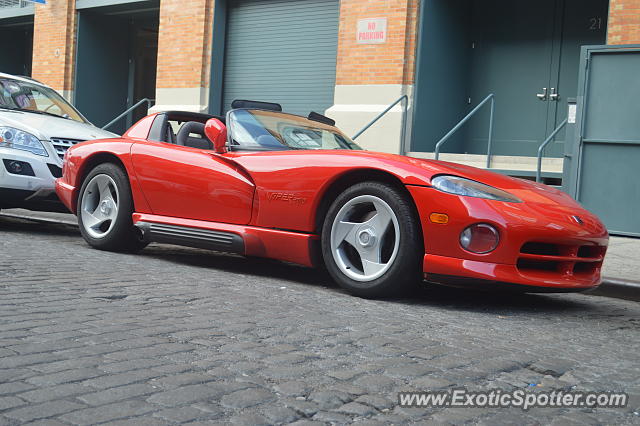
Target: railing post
column 490, row 138
column 539, row 168
column 403, row 130
column 543, row 146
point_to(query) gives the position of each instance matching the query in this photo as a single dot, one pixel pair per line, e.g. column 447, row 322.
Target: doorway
column 16, row 45
column 526, row 53
column 116, row 62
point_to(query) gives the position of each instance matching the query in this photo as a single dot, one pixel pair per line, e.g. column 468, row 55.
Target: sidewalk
column 623, row 259
column 621, row 269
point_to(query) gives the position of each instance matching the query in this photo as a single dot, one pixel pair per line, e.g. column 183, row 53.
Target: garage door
column 282, row 51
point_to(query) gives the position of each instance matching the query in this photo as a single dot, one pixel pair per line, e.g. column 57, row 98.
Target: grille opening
column 541, row 248
column 61, row 145
column 537, row 265
column 56, row 171
column 589, row 251
column 584, row 267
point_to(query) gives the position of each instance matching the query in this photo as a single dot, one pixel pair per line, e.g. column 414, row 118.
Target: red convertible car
column 261, row 182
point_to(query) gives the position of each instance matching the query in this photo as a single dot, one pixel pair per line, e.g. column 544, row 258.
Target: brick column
column 54, row 41
column 369, row 77
column 184, row 55
column 624, row 22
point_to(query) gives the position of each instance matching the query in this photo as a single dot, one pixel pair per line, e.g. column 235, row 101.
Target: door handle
column 554, row 96
column 542, row 96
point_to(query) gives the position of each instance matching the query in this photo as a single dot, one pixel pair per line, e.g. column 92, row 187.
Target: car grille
column 61, row 145
column 562, row 259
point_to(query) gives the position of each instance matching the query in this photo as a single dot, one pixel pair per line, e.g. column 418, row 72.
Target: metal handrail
column 543, row 145
column 446, row 137
column 128, row 110
column 379, row 116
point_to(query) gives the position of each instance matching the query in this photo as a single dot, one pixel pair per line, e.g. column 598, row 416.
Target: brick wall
column 624, row 22
column 390, row 63
column 184, row 43
column 54, row 39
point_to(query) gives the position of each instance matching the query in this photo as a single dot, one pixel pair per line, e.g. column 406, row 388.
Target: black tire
column 122, row 237
column 405, row 270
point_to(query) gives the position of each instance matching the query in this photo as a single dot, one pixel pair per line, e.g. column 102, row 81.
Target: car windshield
column 269, row 130
column 30, row 97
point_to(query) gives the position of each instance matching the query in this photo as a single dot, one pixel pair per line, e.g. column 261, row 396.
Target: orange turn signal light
column 440, row 218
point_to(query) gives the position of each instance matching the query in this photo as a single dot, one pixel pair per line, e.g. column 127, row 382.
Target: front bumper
column 541, row 247
column 470, row 273
column 22, row 190
column 67, row 194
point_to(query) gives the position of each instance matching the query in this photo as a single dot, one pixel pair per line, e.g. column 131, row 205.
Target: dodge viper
column 260, row 182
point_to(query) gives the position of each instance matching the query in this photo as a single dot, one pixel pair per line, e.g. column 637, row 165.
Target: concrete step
column 515, row 165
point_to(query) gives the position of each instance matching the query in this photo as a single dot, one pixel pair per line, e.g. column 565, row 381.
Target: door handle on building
column 554, row 96
column 542, row 96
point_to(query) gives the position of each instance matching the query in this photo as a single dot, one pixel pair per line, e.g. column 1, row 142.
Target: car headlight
column 17, row 139
column 470, row 188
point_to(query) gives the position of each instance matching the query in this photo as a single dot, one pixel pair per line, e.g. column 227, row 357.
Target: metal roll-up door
column 282, row 51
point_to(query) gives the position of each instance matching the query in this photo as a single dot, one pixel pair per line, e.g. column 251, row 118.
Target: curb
column 617, row 289
column 41, row 219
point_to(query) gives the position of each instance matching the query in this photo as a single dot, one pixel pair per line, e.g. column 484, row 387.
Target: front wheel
column 372, row 241
column 104, row 210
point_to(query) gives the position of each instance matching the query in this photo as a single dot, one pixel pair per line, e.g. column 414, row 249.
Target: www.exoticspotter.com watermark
column 518, row 398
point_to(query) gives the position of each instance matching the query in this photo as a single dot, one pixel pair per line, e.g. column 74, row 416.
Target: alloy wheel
column 99, row 208
column 365, row 238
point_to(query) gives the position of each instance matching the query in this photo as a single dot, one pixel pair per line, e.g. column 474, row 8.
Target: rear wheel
column 104, row 210
column 371, row 240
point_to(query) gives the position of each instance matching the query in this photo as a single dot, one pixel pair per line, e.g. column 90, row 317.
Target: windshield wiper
column 35, row 111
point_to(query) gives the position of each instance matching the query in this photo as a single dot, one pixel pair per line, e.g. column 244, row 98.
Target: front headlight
column 17, row 139
column 470, row 188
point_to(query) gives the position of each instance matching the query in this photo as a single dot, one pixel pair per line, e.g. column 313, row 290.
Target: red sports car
column 260, row 182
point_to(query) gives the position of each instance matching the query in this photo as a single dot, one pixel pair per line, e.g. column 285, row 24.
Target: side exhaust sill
column 191, row 237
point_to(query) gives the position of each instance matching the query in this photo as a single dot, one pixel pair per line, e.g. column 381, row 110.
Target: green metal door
column 581, row 23
column 282, row 51
column 607, row 142
column 102, row 68
column 527, row 54
column 512, row 46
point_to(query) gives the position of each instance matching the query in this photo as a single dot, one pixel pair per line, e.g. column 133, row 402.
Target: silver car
column 37, row 125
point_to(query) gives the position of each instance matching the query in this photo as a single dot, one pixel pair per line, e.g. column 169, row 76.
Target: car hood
column 46, row 126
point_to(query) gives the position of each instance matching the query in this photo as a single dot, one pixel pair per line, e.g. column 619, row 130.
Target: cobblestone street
column 174, row 335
